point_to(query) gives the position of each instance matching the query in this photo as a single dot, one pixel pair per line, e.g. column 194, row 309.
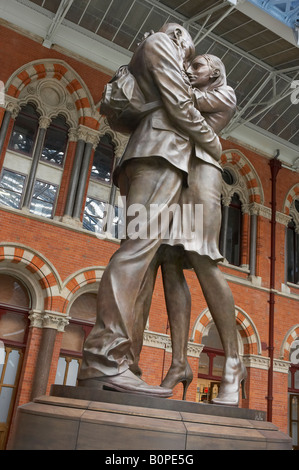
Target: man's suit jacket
column 171, row 131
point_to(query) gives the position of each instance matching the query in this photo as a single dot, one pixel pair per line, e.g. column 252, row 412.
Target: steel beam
column 61, row 13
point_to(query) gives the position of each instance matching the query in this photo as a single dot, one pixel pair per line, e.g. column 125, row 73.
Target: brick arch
column 35, row 270
column 247, row 172
column 292, row 195
column 66, row 76
column 289, row 338
column 247, row 329
column 77, row 282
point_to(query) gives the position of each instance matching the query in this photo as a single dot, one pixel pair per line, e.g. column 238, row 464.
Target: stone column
column 244, row 236
column 44, row 123
column 253, row 238
column 51, row 322
column 12, row 111
column 69, row 207
column 119, row 150
column 92, row 140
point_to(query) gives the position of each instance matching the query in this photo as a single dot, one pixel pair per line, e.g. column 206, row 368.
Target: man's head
column 182, row 38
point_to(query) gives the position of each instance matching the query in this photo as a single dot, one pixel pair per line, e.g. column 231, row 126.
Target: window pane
column 103, row 160
column 211, row 338
column 55, row 141
column 11, row 367
column 13, row 326
column 60, row 371
column 295, row 434
column 296, row 258
column 5, row 399
column 43, row 199
column 233, row 248
column 72, row 372
column 203, row 364
column 24, row 130
column 11, row 188
column 94, row 215
column 73, row 338
column 218, row 363
column 118, row 223
column 13, row 292
column 85, row 307
column 291, row 252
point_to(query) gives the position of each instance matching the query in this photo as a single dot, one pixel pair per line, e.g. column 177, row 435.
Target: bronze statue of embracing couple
column 172, row 158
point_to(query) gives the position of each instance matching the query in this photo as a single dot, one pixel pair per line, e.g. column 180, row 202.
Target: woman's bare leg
column 222, row 308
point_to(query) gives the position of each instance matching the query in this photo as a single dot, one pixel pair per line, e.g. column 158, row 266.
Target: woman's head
column 207, row 72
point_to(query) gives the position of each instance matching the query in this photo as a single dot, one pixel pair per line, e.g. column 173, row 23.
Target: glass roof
column 261, row 66
column 287, row 12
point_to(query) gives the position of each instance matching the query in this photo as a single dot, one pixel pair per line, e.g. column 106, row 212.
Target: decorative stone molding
column 259, row 209
column 281, row 366
column 249, row 340
column 73, row 135
column 294, row 214
column 261, row 362
column 194, row 349
column 53, row 85
column 246, row 182
column 289, row 202
column 226, row 200
column 163, row 341
column 256, row 361
column 48, row 319
column 87, row 134
column 283, row 219
column 291, row 336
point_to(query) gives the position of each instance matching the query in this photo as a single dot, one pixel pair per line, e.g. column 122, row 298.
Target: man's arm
column 163, row 64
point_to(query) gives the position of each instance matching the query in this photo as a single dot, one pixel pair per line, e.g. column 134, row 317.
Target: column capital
column 88, row 135
column 44, row 122
column 226, row 200
column 48, row 319
column 12, row 106
column 73, row 134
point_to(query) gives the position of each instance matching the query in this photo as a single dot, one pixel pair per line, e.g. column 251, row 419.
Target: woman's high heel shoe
column 234, row 376
column 175, row 375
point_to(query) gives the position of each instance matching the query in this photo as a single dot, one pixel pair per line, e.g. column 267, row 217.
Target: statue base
column 79, row 418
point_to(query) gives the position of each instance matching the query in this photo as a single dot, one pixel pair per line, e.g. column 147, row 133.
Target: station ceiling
column 257, row 41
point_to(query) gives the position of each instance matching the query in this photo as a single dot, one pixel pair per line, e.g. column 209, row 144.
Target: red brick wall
column 26, row 50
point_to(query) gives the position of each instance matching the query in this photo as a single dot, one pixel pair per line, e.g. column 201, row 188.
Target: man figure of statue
column 152, row 171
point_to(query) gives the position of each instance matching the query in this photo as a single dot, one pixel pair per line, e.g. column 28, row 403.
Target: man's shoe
column 126, row 382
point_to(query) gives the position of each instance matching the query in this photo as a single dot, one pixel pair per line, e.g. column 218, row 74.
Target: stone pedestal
column 75, row 418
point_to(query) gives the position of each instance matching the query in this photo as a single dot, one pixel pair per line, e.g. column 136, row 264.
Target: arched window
column 14, row 324
column 83, row 316
column 211, row 362
column 293, row 389
column 292, row 258
column 25, row 130
column 32, row 185
column 231, row 231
